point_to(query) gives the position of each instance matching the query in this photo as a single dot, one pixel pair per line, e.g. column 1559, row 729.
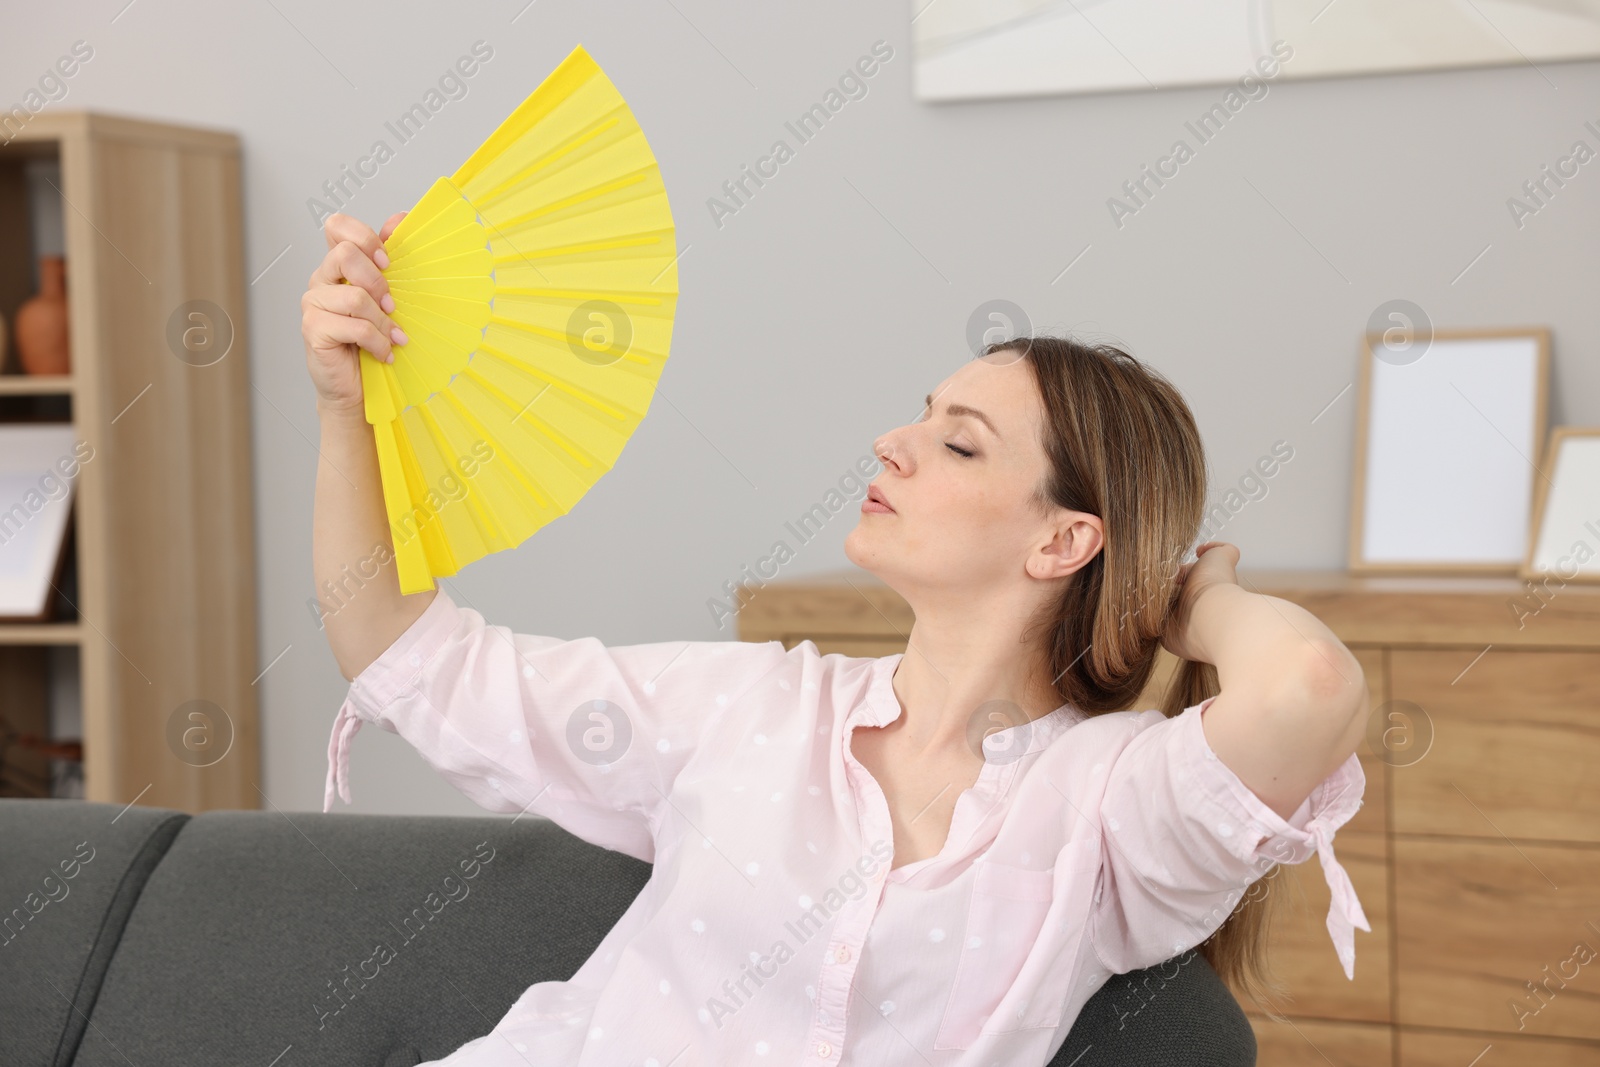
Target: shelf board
column 36, row 384
column 41, row 633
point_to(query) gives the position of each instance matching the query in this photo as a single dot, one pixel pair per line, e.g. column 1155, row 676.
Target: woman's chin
column 855, row 547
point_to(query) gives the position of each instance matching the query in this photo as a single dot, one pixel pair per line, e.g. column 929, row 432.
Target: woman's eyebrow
column 962, row 409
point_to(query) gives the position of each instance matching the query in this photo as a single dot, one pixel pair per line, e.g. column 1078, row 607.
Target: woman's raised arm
column 346, row 308
column 1200, row 806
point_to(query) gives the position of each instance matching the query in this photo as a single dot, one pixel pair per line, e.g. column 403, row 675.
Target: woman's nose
column 888, row 450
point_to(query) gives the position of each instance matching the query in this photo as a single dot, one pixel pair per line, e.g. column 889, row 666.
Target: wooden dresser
column 1477, row 852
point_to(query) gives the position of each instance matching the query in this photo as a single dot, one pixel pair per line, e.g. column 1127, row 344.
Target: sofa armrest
column 70, row 874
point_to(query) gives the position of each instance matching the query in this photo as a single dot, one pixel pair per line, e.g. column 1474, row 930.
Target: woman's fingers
column 348, row 262
column 342, row 227
column 388, row 227
column 355, row 254
column 354, row 300
column 327, row 330
column 347, row 307
column 357, row 305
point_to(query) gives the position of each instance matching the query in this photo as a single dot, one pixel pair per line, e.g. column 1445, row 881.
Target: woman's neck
column 957, row 686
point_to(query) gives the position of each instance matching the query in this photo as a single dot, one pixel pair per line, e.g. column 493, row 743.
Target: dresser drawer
column 1515, row 744
column 1424, row 1049
column 1302, row 1042
column 1476, row 921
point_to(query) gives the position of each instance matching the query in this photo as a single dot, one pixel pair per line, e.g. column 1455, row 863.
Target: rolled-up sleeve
column 588, row 735
column 1183, row 838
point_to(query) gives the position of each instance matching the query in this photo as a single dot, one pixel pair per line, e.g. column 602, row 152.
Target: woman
column 930, row 857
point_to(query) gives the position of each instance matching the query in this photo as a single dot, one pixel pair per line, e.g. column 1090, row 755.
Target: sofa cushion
column 70, row 875
column 1179, row 1013
column 347, row 938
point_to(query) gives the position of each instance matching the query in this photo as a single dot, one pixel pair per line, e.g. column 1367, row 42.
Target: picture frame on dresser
column 1448, row 429
column 1564, row 528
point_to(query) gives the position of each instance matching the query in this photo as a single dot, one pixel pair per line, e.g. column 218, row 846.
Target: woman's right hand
column 346, row 308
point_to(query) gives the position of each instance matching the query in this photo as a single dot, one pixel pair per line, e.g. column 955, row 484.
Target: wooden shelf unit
column 164, row 535
column 1475, row 863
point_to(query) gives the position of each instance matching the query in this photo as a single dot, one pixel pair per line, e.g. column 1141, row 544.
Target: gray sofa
column 143, row 937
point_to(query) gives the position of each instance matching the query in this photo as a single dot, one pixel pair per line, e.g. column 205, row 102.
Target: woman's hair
column 1122, row 445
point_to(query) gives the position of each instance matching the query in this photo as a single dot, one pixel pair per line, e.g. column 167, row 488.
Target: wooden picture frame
column 1566, row 508
column 1444, row 475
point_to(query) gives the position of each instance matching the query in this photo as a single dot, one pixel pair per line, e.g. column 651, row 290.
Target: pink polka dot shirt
column 772, row 929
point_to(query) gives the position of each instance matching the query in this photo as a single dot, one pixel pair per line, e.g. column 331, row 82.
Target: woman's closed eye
column 927, row 413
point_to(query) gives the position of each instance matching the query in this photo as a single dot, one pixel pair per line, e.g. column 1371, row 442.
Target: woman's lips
column 875, row 503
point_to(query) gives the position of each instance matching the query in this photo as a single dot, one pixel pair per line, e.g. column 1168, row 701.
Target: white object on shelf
column 39, row 464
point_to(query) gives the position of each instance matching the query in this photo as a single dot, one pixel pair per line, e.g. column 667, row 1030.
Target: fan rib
column 441, row 559
column 558, row 154
column 631, row 296
column 488, row 529
column 410, row 558
column 583, row 196
column 634, row 355
column 560, row 440
column 522, row 475
column 574, row 249
column 562, row 83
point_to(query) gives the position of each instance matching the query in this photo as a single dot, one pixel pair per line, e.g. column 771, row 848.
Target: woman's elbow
column 1333, row 680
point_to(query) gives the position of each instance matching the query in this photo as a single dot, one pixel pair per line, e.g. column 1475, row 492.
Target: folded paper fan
column 537, row 286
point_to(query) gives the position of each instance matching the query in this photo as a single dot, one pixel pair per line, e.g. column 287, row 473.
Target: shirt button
column 824, row 1050
column 414, row 659
column 842, row 953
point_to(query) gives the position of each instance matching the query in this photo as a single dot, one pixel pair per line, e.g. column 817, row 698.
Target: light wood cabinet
column 1476, row 853
column 157, row 623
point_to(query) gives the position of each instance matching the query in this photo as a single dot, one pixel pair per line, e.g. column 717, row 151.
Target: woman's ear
column 1074, row 542
column 1088, row 537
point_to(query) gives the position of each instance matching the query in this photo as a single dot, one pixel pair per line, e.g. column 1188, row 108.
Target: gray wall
column 819, row 314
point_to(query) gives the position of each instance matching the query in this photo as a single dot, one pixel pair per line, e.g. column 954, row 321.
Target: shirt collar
column 1000, row 746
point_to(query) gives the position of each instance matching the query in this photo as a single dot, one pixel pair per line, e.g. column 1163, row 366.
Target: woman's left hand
column 1213, row 566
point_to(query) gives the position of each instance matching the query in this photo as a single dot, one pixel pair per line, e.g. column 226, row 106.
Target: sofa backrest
column 238, row 936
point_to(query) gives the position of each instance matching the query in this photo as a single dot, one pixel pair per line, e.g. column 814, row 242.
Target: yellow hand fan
column 537, row 286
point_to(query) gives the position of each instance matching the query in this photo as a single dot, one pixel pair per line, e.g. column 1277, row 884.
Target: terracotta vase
column 41, row 323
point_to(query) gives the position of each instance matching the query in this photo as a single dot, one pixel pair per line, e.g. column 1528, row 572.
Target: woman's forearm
column 358, row 592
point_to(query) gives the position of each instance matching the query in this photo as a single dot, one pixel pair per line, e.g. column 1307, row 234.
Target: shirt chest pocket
column 1020, row 949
